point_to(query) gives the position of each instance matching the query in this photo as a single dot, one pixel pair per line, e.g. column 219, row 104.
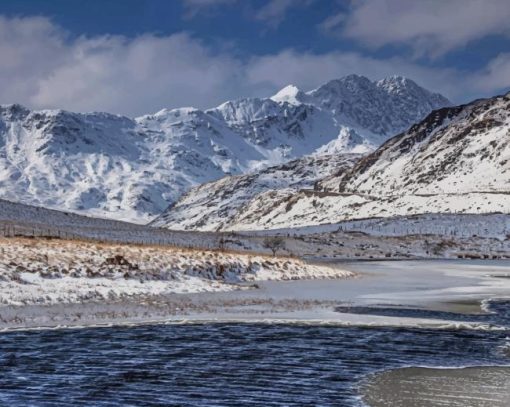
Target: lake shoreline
column 456, row 286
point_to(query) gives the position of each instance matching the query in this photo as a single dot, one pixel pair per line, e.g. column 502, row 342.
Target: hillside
column 24, row 220
column 416, row 236
column 214, row 205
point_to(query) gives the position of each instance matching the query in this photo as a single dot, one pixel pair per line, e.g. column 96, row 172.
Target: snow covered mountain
column 132, row 169
column 376, row 110
column 457, row 160
column 215, row 205
column 455, row 150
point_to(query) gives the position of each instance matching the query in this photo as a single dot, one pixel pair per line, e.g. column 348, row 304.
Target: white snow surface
column 286, row 209
column 131, row 169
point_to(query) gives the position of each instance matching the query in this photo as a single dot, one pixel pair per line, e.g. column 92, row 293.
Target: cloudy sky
column 134, row 57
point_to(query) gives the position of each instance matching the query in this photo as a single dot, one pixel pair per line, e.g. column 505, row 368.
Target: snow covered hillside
column 417, row 236
column 215, row 205
column 486, row 226
column 132, row 169
column 457, row 160
column 455, row 150
column 24, row 220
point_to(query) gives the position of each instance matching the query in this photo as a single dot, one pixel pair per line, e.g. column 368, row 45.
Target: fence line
column 146, row 236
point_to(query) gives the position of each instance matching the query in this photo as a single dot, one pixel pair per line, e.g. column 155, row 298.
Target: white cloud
column 496, row 75
column 30, row 48
column 138, row 76
column 42, row 67
column 193, row 7
column 275, row 11
column 431, row 27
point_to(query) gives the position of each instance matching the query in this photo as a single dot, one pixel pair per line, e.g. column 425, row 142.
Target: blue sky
column 214, row 22
column 134, row 57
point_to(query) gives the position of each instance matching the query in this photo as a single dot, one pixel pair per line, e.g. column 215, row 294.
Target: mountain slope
column 454, row 150
column 214, row 205
column 132, row 169
column 457, row 160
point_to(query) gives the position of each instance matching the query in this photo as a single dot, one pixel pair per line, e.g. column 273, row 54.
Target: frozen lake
column 451, row 286
column 461, row 287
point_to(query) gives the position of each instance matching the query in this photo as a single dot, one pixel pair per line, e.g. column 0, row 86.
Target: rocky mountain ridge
column 131, row 169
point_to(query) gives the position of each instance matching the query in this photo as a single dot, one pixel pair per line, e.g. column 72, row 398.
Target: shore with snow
column 43, row 272
column 73, row 284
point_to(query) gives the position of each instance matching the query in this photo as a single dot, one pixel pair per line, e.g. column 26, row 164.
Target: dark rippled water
column 220, row 364
column 499, row 313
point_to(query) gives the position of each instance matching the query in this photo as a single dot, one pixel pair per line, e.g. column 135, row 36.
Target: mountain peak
column 398, row 78
column 13, row 111
column 354, row 78
column 399, row 85
column 180, row 111
column 290, row 94
column 384, row 107
column 395, row 83
column 350, row 82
